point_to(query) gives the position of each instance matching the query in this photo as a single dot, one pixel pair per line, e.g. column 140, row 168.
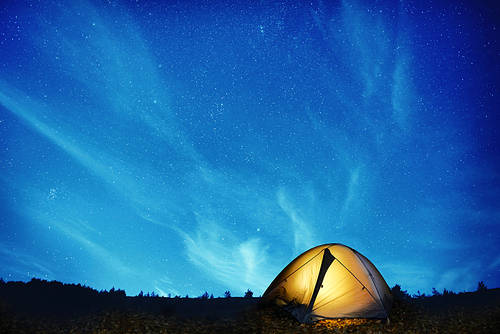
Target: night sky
column 183, row 147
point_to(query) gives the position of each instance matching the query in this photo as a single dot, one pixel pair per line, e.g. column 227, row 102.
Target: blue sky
column 179, row 147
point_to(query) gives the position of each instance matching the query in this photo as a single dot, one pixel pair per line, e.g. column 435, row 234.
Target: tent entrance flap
column 328, row 258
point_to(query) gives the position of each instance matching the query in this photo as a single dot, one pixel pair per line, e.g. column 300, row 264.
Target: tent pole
column 328, row 258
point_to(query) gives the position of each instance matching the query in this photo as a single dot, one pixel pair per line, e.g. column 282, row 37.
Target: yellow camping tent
column 331, row 281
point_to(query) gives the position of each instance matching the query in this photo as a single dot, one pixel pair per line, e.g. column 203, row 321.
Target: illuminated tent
column 330, row 281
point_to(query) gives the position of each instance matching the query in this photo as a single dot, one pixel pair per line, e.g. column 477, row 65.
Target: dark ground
column 51, row 307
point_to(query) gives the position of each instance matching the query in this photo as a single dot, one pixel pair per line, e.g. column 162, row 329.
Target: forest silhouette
column 41, row 297
column 43, row 306
column 55, row 298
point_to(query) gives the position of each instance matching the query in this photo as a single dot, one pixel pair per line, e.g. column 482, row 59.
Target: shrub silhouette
column 227, row 294
column 248, row 294
column 448, row 292
column 481, row 287
column 418, row 295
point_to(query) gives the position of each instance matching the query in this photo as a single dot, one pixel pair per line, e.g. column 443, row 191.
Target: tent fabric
column 331, row 281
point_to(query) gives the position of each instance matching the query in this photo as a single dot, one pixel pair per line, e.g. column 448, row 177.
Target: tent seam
column 284, row 279
column 364, row 287
column 374, row 284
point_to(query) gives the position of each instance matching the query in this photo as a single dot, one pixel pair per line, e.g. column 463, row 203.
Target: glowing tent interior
column 331, row 281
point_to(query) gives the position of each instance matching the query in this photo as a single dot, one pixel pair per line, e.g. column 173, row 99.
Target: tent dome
column 331, row 281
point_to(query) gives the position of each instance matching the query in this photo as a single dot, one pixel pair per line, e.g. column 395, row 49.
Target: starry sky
column 182, row 147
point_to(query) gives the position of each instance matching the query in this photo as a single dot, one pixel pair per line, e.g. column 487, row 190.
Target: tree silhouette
column 481, row 287
column 399, row 294
column 249, row 294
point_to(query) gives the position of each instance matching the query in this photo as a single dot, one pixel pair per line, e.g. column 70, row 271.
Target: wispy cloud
column 115, row 66
column 165, row 286
column 350, row 197
column 162, row 293
column 368, row 42
column 239, row 264
column 68, row 222
column 495, row 264
column 100, row 253
column 463, row 277
column 401, row 97
column 16, row 261
column 424, row 275
column 302, row 230
column 242, row 270
column 78, row 232
column 407, row 275
column 119, row 173
column 24, row 107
